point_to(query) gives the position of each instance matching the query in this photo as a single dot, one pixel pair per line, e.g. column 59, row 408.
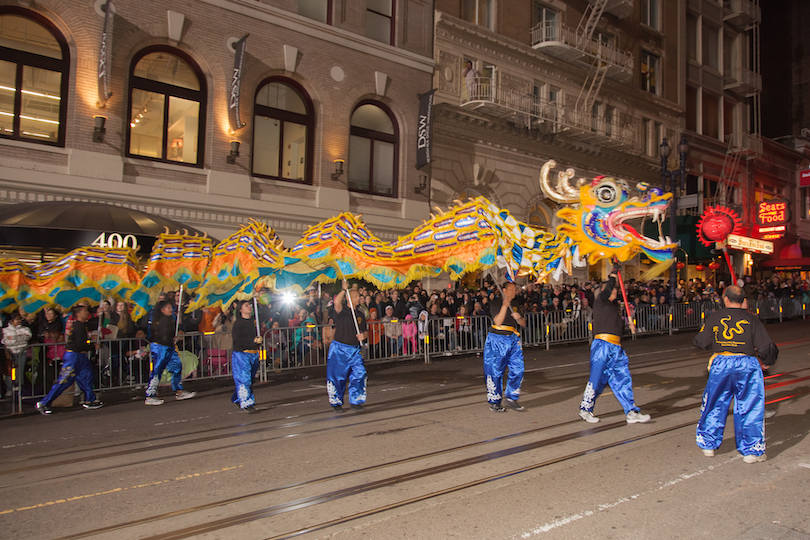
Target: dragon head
column 600, row 223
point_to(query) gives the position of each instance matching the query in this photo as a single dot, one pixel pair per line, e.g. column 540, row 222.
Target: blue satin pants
column 345, row 362
column 164, row 358
column 244, row 367
column 500, row 352
column 75, row 366
column 609, row 366
column 738, row 377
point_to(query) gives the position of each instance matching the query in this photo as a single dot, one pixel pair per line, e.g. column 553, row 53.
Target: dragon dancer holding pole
column 345, row 360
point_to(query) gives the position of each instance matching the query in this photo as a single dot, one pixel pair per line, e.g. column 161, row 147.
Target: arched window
column 373, row 150
column 283, row 130
column 34, row 67
column 167, row 98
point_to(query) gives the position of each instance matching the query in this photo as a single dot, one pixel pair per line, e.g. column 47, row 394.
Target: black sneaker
column 357, row 407
column 337, row 408
column 514, row 405
column 43, row 409
column 496, row 407
column 92, row 405
column 250, row 410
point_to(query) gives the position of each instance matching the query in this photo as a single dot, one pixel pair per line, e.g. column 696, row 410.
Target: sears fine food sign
column 424, row 134
column 773, row 212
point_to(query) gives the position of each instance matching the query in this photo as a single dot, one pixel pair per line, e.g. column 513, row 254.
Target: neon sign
column 773, row 212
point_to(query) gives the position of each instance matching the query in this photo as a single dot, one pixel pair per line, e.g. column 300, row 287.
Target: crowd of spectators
column 298, row 331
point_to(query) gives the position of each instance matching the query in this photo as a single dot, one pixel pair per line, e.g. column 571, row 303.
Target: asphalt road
column 427, row 459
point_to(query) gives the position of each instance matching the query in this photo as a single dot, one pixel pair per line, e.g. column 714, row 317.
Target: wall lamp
column 422, row 185
column 234, row 152
column 99, row 130
column 338, row 169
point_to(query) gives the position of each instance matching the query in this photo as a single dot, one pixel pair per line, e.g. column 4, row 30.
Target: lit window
column 478, row 12
column 649, row 72
column 167, row 107
column 380, row 20
column 283, row 127
column 373, row 150
column 34, row 67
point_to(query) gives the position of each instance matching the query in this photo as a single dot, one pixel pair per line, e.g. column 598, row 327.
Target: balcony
column 531, row 112
column 560, row 41
column 742, row 81
column 620, row 8
column 749, row 146
column 742, row 13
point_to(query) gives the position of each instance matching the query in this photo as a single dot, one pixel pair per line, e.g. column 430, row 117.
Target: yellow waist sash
column 715, row 355
column 505, row 328
column 610, row 338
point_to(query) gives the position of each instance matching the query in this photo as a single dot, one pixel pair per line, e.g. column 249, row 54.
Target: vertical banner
column 236, row 84
column 424, row 133
column 104, row 55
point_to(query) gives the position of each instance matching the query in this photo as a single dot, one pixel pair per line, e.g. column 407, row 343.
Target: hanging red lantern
column 699, row 267
column 679, row 265
column 714, row 265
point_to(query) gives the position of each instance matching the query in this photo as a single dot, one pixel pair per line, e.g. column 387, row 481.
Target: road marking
column 116, row 490
column 556, row 524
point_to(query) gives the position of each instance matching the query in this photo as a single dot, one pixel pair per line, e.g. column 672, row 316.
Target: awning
column 66, row 225
column 787, row 265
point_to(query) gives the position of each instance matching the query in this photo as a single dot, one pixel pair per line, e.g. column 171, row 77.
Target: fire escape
column 746, row 84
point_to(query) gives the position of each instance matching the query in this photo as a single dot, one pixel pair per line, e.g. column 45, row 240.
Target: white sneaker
column 184, row 395
column 153, row 401
column 770, row 414
column 588, row 416
column 751, row 458
column 708, row 453
column 635, row 417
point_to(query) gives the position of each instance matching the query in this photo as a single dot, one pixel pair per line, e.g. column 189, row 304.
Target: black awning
column 67, row 225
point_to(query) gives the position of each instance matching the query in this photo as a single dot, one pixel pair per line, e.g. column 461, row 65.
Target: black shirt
column 737, row 331
column 509, row 320
column 77, row 340
column 244, row 332
column 345, row 332
column 606, row 316
column 163, row 329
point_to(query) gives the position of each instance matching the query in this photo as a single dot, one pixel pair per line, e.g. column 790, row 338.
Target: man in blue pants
column 503, row 349
column 245, row 358
column 736, row 337
column 345, row 360
column 164, row 355
column 75, row 366
column 609, row 362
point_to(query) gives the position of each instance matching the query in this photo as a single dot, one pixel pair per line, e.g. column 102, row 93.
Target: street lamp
column 680, row 177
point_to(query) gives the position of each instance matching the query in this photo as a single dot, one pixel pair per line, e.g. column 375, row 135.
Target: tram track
column 330, row 496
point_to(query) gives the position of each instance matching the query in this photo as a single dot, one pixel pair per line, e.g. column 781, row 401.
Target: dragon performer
column 472, row 235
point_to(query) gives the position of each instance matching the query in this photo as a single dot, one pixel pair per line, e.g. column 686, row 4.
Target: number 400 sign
column 115, row 240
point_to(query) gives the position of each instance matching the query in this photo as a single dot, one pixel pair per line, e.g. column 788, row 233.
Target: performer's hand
column 359, row 337
column 257, row 340
column 616, row 268
column 345, row 285
column 632, row 328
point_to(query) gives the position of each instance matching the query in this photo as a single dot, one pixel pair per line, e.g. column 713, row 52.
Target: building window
column 651, row 14
column 373, row 150
column 595, row 109
column 167, row 97
column 609, row 116
column 711, row 47
column 546, row 19
column 692, row 37
column 283, row 128
column 34, row 67
column 380, row 20
column 319, row 10
column 711, row 116
column 478, row 12
column 805, row 196
column 691, row 108
column 649, row 72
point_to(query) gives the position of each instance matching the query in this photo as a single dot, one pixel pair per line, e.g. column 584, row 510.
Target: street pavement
column 426, row 459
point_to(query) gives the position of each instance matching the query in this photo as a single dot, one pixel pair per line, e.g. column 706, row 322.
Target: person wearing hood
column 503, row 348
column 345, row 360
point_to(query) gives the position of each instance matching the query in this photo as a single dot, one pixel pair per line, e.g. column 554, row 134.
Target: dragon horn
column 568, row 196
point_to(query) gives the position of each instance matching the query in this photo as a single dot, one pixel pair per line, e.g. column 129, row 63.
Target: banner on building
column 236, row 85
column 104, row 56
column 424, row 133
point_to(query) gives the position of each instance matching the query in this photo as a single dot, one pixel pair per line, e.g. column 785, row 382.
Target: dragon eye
column 606, row 193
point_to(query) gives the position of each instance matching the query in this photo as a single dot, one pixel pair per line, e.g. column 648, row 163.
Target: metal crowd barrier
column 126, row 363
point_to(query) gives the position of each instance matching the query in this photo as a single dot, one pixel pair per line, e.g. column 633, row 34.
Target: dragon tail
column 657, row 270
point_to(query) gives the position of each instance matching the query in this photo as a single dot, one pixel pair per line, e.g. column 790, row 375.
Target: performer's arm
column 337, row 305
column 607, row 288
column 704, row 339
column 766, row 348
